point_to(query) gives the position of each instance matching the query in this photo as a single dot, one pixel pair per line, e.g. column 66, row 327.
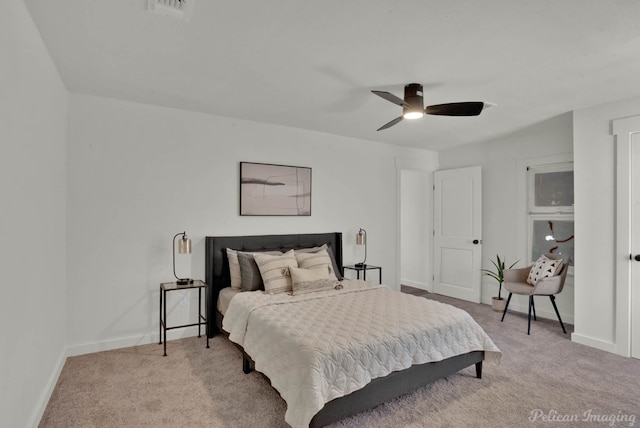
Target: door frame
column 623, row 129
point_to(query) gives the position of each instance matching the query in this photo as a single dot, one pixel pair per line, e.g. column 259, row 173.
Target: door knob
column 637, row 257
column 476, row 242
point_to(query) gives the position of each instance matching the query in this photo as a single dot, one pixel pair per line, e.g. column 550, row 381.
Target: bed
column 376, row 391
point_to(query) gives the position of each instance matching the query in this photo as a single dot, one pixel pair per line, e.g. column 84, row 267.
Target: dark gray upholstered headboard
column 217, row 274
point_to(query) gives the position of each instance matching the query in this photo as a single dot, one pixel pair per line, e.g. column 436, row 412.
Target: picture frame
column 274, row 190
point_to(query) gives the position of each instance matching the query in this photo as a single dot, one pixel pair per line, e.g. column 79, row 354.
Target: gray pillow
column 334, row 264
column 249, row 272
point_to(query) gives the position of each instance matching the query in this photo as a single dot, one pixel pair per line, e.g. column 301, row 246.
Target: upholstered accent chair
column 519, row 281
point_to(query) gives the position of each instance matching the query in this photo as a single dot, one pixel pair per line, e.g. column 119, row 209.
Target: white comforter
column 321, row 346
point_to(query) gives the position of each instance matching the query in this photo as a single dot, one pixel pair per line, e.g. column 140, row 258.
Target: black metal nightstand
column 172, row 286
column 364, row 268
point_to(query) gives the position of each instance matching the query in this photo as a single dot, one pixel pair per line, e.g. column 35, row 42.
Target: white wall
column 139, row 174
column 595, row 169
column 33, row 111
column 501, row 214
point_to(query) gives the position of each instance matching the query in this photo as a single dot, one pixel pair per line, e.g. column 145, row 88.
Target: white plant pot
column 498, row 304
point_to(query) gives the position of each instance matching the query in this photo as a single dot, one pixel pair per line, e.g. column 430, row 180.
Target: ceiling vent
column 178, row 9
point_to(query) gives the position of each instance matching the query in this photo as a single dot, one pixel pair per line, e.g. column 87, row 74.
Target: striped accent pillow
column 275, row 271
column 319, row 260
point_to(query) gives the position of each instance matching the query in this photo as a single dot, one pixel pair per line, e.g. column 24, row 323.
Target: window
column 550, row 211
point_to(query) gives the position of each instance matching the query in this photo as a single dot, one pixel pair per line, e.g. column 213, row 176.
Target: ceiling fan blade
column 390, row 124
column 471, row 108
column 390, row 97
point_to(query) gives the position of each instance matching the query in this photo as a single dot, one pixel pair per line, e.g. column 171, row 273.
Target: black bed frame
column 377, row 391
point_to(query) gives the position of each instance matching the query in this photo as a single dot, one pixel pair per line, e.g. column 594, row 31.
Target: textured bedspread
column 321, row 346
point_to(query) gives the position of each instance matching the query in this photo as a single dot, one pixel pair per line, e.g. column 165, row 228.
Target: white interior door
column 635, row 246
column 458, row 232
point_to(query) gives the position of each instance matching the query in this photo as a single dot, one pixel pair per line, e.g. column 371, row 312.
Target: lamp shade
column 361, row 237
column 184, row 245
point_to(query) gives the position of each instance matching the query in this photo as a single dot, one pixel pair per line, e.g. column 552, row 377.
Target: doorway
column 416, row 219
column 414, row 253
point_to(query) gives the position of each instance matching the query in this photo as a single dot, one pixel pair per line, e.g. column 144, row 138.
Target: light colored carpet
column 198, row 387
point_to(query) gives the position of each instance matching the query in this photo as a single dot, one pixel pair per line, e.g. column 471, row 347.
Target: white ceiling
column 312, row 64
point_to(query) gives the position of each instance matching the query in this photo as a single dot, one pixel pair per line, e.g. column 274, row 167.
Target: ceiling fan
column 413, row 106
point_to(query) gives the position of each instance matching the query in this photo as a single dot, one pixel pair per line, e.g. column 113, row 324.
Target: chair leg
column 553, row 301
column 506, row 306
column 533, row 305
column 529, row 325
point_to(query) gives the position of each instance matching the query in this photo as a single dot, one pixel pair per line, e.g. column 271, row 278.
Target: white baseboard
column 44, row 398
column 126, row 342
column 415, row 284
column 108, row 345
column 593, row 342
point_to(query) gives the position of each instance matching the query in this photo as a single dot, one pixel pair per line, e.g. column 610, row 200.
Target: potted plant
column 498, row 303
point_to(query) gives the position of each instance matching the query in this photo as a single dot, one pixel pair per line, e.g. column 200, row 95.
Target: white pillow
column 275, row 271
column 544, row 267
column 319, row 260
column 234, row 269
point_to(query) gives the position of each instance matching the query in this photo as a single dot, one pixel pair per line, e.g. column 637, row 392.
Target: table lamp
column 184, row 247
column 361, row 239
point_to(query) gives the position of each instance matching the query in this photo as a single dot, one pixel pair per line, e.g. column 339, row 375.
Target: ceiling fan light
column 413, row 114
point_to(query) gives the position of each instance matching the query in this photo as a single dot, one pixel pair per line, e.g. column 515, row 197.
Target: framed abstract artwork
column 277, row 190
